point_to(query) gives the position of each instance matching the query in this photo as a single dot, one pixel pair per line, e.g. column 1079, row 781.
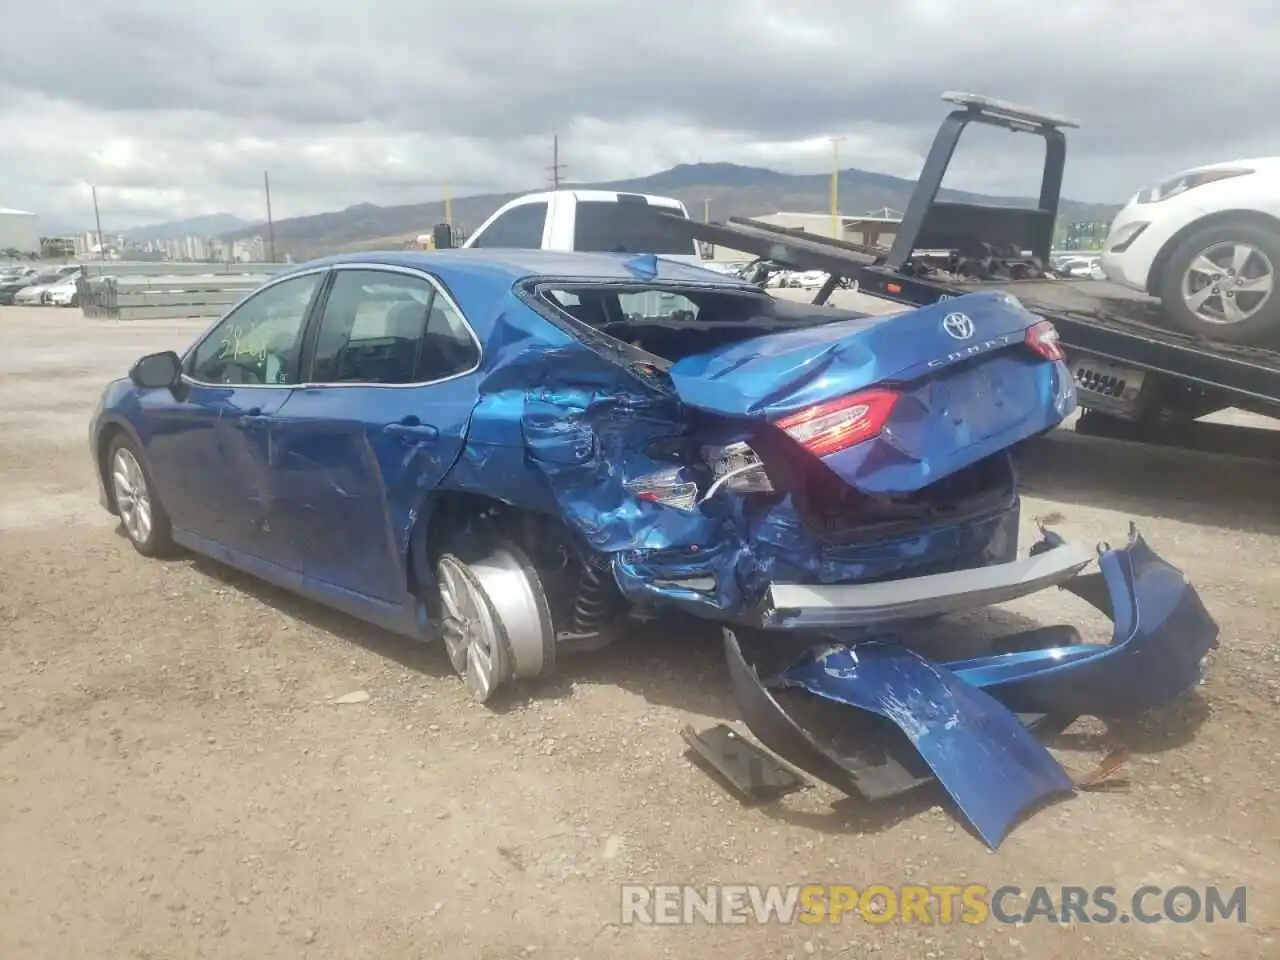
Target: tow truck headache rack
column 1130, row 368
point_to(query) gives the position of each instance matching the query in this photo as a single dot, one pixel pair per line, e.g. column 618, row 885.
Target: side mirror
column 157, row 370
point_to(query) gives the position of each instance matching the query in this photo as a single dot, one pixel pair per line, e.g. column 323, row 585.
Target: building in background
column 57, row 248
column 19, row 232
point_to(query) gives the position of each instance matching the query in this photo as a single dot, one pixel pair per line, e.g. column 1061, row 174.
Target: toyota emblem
column 958, row 325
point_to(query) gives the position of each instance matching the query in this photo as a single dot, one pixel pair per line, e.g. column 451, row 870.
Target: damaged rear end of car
column 763, row 446
column 819, row 482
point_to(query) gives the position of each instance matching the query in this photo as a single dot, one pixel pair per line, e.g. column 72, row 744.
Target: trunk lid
column 893, row 404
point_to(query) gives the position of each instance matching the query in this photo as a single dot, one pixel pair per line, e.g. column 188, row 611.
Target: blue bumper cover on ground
column 970, row 723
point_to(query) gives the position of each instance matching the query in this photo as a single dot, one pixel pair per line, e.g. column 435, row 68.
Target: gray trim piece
column 804, row 606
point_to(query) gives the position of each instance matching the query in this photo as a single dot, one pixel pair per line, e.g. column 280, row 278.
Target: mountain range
column 210, row 225
column 728, row 189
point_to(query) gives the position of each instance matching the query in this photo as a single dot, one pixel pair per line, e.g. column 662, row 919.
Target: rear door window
column 608, row 226
column 387, row 327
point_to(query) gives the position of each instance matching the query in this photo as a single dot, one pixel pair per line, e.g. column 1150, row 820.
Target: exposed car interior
column 675, row 322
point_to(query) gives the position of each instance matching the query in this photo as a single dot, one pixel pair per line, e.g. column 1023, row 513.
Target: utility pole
column 448, row 205
column 556, row 165
column 271, row 227
column 706, row 209
column 835, row 186
column 102, row 251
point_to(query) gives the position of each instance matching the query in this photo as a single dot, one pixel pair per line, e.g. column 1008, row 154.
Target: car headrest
column 405, row 320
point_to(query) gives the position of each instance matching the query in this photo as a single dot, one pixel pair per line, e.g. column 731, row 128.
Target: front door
column 379, row 424
column 208, row 442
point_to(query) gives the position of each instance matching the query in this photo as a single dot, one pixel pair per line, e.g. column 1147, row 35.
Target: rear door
column 380, row 422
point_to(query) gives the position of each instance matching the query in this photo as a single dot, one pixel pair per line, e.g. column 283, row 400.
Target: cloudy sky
column 175, row 108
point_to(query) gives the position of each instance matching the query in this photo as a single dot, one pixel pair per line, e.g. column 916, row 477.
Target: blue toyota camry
column 514, row 451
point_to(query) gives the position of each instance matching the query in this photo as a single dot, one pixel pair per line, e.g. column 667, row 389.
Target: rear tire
column 1220, row 283
column 142, row 516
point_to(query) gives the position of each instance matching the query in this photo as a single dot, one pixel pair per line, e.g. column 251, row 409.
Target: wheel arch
column 446, row 514
column 471, row 524
column 107, row 434
column 1219, row 218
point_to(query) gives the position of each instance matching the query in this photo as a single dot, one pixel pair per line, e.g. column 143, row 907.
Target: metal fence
column 145, row 290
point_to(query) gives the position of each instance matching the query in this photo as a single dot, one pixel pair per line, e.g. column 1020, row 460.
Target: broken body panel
column 971, row 721
column 623, row 456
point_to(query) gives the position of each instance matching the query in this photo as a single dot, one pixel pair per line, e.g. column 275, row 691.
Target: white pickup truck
column 585, row 220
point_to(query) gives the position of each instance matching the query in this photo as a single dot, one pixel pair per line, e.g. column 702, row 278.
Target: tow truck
column 1137, row 379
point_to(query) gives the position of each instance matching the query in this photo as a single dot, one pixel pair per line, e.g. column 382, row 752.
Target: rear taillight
column 828, row 427
column 1042, row 337
column 667, row 487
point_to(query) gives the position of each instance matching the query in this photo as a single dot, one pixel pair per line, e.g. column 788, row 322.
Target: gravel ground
column 176, row 782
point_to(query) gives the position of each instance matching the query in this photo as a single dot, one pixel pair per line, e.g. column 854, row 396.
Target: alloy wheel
column 133, row 499
column 470, row 631
column 1228, row 282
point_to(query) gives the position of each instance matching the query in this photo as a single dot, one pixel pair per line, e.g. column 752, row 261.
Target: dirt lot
column 175, row 782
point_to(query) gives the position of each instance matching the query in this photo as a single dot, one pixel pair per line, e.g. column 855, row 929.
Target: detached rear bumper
column 878, row 717
column 807, row 607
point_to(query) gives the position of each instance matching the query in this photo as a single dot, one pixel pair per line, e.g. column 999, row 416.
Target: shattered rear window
column 674, row 321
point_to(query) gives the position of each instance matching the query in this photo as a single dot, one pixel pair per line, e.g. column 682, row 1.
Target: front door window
column 259, row 342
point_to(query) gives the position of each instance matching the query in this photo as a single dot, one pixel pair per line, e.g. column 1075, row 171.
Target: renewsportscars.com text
column 929, row 904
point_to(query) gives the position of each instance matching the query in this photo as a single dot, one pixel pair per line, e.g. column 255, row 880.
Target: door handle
column 253, row 421
column 410, row 430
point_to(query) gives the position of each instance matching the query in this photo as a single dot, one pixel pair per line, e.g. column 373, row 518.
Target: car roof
column 511, row 266
column 599, row 196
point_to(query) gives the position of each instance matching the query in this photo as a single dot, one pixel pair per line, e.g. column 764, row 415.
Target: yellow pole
column 448, row 206
column 835, row 187
column 706, row 209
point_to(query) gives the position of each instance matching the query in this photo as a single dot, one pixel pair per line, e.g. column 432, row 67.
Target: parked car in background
column 64, row 293
column 36, row 288
column 16, row 272
column 1207, row 243
column 11, row 283
column 30, row 291
column 594, row 221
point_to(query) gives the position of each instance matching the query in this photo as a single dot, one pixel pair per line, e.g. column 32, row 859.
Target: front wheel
column 1219, row 283
column 141, row 515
